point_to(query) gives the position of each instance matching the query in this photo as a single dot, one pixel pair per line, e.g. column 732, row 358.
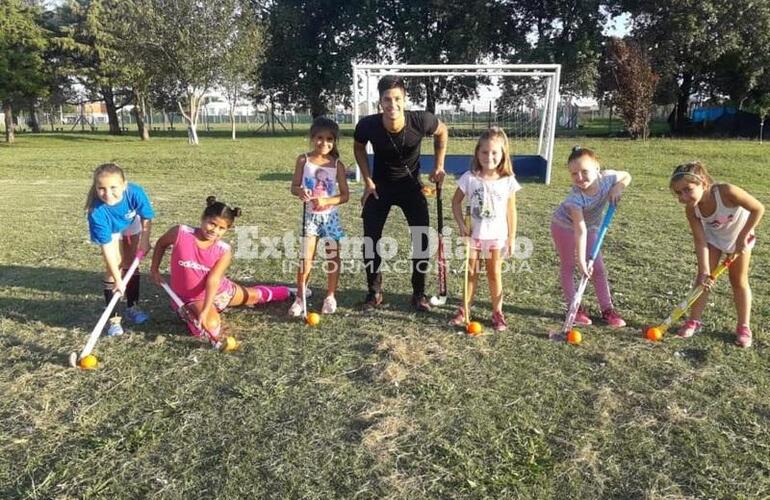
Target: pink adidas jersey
column 190, row 265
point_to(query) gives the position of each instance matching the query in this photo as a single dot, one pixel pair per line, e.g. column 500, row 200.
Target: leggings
column 407, row 195
column 564, row 241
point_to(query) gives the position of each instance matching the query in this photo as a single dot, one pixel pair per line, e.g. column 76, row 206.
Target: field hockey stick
column 187, row 317
column 682, row 308
column 442, row 292
column 304, row 281
column 573, row 308
column 466, row 298
column 97, row 331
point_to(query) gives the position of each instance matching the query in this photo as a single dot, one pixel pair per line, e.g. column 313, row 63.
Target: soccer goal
column 520, row 98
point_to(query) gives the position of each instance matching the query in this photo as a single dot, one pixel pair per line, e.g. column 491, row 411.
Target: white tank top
column 722, row 227
column 322, row 181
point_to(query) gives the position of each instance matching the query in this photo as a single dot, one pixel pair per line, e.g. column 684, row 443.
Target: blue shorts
column 326, row 225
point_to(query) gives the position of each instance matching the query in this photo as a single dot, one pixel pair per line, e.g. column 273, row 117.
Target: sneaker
column 689, row 328
column 293, row 292
column 136, row 315
column 329, row 306
column 373, row 300
column 295, row 311
column 498, row 321
column 581, row 317
column 114, row 329
column 743, row 336
column 420, row 303
column 612, row 318
column 459, row 318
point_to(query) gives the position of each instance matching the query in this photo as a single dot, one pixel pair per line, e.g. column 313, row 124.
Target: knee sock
column 271, row 293
column 132, row 289
column 108, row 293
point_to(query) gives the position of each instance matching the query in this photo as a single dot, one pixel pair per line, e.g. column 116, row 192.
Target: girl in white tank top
column 729, row 229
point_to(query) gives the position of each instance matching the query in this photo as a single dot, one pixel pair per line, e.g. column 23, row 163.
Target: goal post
column 520, row 98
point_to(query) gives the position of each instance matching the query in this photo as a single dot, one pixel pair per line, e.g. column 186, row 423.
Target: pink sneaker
column 498, row 321
column 459, row 318
column 612, row 318
column 689, row 328
column 581, row 318
column 743, row 336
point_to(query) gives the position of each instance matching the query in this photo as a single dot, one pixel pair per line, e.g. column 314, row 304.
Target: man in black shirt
column 396, row 136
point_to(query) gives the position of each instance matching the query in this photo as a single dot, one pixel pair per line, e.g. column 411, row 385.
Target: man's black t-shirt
column 396, row 155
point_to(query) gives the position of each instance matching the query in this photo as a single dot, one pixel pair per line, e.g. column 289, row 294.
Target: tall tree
column 22, row 42
column 311, row 47
column 241, row 61
column 187, row 40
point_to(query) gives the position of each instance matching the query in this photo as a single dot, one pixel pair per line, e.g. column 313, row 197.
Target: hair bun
column 236, row 211
column 211, row 200
column 576, row 148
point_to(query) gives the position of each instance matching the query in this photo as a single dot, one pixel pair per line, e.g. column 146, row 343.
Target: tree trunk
column 138, row 112
column 112, row 111
column 232, row 121
column 34, row 122
column 430, row 97
column 682, row 105
column 10, row 137
column 317, row 107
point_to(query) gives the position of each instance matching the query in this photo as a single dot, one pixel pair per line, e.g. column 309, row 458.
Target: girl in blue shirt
column 119, row 221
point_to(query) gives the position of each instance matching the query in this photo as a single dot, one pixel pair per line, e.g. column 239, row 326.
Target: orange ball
column 89, row 362
column 313, row 319
column 474, row 328
column 654, row 334
column 574, row 337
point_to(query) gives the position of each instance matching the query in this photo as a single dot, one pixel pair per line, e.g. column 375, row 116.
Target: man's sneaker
column 498, row 321
column 114, row 328
column 612, row 318
column 743, row 336
column 459, row 318
column 689, row 328
column 329, row 306
column 293, row 292
column 136, row 315
column 420, row 303
column 373, row 300
column 295, row 310
column 581, row 317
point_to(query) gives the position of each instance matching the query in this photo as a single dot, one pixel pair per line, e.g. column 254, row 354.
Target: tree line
column 168, row 53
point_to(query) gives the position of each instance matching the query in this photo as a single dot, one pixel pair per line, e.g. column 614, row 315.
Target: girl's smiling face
column 213, row 228
column 583, row 172
column 489, row 154
column 323, row 142
column 110, row 188
column 688, row 193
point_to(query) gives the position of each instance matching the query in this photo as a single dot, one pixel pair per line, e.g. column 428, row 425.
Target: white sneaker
column 295, row 311
column 330, row 305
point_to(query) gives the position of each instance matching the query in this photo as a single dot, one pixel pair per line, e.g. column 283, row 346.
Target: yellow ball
column 654, row 334
column 89, row 362
column 230, row 344
column 474, row 328
column 313, row 319
column 574, row 337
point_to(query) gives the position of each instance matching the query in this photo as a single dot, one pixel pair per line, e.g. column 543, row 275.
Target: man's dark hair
column 388, row 82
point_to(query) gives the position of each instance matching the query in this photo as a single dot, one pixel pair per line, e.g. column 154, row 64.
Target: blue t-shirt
column 105, row 220
column 592, row 206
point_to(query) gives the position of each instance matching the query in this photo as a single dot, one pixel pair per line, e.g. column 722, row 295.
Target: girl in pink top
column 198, row 263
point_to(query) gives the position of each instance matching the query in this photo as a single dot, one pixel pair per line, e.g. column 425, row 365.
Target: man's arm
column 440, row 139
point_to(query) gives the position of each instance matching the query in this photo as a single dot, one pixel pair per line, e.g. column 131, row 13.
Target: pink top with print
column 190, row 264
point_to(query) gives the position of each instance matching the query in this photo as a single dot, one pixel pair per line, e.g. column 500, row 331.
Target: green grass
column 384, row 405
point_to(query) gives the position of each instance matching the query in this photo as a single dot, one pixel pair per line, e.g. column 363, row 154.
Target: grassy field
column 384, row 405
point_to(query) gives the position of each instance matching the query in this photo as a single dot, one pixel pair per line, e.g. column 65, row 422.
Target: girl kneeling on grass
column 722, row 218
column 119, row 221
column 320, row 182
column 198, row 263
column 575, row 225
column 491, row 190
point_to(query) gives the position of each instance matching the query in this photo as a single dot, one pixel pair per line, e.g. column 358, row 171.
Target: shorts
column 486, row 246
column 131, row 230
column 325, row 225
column 222, row 299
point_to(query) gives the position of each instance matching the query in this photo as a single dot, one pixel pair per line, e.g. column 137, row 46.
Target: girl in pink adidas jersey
column 198, row 263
